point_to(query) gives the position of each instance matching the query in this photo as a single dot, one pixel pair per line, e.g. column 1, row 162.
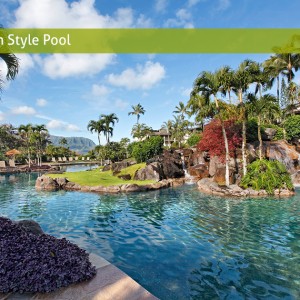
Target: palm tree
column 12, row 64
column 168, row 127
column 108, row 120
column 140, row 131
column 137, row 110
column 209, row 85
column 26, row 133
column 226, row 78
column 180, row 109
column 96, row 126
column 40, row 134
column 262, row 108
column 242, row 79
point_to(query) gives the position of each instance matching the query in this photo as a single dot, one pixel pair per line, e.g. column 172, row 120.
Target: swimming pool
column 177, row 243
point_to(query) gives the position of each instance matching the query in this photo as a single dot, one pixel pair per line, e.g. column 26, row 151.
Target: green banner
column 205, row 40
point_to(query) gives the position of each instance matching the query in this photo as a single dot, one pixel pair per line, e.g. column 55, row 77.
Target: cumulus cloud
column 194, row 2
column 183, row 19
column 61, row 14
column 41, row 102
column 77, row 14
column 143, row 77
column 23, row 110
column 66, row 65
column 100, row 90
column 61, row 125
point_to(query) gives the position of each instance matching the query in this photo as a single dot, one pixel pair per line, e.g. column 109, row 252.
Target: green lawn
column 97, row 177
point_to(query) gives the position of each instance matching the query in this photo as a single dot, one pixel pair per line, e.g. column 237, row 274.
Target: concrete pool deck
column 110, row 283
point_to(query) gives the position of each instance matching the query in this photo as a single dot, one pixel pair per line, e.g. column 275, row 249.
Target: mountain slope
column 81, row 145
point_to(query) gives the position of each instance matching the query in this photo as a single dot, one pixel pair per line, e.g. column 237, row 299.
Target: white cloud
column 121, row 104
column 100, row 90
column 41, row 102
column 194, row 2
column 66, row 65
column 183, row 19
column 143, row 22
column 26, row 63
column 161, row 5
column 77, row 14
column 143, row 77
column 61, row 125
column 23, row 110
column 61, row 14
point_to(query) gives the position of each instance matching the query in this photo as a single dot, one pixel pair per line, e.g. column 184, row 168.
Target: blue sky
column 66, row 91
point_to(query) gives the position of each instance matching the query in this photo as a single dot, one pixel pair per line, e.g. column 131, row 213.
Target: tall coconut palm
column 242, row 79
column 140, row 131
column 108, row 123
column 96, row 126
column 12, row 64
column 263, row 109
column 138, row 110
column 180, row 109
column 168, row 127
column 226, row 78
column 26, row 134
column 41, row 138
column 208, row 85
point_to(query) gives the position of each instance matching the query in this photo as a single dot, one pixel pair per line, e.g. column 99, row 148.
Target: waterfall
column 188, row 178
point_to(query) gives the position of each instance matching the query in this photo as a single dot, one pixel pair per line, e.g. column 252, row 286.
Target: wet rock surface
column 209, row 186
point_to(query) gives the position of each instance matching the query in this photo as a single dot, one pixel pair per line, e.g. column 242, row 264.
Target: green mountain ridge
column 80, row 145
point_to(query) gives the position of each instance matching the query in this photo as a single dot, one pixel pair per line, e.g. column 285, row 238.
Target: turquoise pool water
column 177, row 243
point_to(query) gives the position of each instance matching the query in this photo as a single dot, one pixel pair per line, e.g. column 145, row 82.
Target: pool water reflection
column 177, row 243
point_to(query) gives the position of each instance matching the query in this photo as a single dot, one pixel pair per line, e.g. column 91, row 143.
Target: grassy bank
column 97, row 177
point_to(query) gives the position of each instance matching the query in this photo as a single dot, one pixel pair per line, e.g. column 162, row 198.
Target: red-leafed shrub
column 213, row 141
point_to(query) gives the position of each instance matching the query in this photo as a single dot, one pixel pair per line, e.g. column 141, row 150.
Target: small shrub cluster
column 142, row 151
column 39, row 263
column 292, row 127
column 267, row 175
column 194, row 139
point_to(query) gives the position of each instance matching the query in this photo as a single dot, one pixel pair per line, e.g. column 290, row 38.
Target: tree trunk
column 259, row 137
column 278, row 88
column 244, row 156
column 227, row 157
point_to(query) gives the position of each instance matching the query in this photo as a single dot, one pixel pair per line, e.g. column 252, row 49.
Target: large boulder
column 276, row 150
column 219, row 176
column 171, row 164
column 30, row 226
column 118, row 166
column 44, row 183
column 153, row 171
column 199, row 171
column 165, row 166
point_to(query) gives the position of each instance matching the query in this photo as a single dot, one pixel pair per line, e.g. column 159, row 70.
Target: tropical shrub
column 142, row 151
column 267, row 175
column 213, row 141
column 279, row 131
column 194, row 139
column 251, row 133
column 292, row 127
column 39, row 263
